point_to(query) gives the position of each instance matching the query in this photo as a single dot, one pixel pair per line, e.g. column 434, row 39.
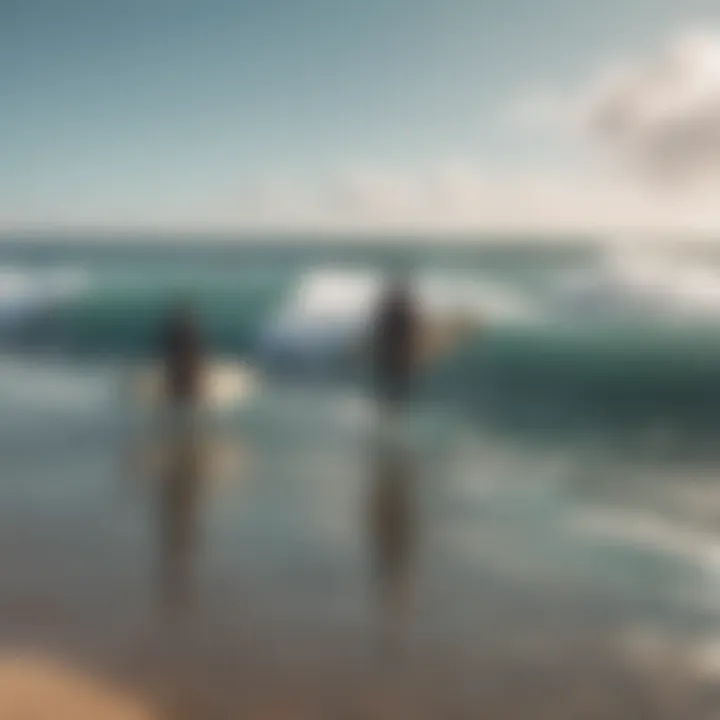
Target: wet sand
column 281, row 669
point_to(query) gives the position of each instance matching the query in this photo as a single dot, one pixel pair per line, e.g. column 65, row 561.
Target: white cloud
column 658, row 116
column 450, row 196
column 459, row 196
column 661, row 114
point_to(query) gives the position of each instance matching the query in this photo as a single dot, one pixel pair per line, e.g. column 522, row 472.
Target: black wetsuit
column 182, row 354
column 394, row 344
column 182, row 351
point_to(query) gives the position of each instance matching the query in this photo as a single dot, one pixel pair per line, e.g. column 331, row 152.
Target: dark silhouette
column 179, row 489
column 395, row 337
column 393, row 527
column 180, row 476
column 182, row 351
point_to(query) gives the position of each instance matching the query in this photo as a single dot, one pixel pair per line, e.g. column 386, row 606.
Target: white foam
column 327, row 296
column 644, row 529
column 477, row 298
column 334, row 294
column 655, row 648
column 23, row 291
column 645, row 280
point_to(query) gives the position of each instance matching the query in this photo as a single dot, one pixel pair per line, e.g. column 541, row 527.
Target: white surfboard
column 225, row 386
column 328, row 319
column 217, row 455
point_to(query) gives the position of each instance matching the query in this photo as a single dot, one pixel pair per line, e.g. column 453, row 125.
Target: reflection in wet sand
column 503, row 645
column 191, row 459
column 179, row 488
column 393, row 532
column 181, row 458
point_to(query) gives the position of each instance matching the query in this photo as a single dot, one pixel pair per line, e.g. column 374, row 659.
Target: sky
column 347, row 115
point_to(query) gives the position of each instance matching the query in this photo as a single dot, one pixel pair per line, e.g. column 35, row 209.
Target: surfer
column 182, row 357
column 394, row 343
column 182, row 360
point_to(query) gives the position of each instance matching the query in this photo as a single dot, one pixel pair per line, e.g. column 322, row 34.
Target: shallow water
column 553, row 540
column 298, row 540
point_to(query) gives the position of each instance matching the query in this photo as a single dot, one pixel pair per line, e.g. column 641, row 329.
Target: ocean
column 562, row 460
column 573, row 334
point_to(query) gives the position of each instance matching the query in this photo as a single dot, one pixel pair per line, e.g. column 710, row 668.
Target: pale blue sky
column 147, row 111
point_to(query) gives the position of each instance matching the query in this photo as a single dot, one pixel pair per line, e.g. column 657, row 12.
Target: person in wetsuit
column 179, row 481
column 182, row 357
column 394, row 344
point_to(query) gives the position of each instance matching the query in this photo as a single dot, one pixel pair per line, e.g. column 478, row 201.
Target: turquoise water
column 572, row 334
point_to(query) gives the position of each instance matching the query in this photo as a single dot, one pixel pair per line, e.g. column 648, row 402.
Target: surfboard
column 437, row 338
column 216, row 454
column 225, row 386
column 328, row 320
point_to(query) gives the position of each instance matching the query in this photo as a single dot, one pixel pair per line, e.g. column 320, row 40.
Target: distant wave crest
column 24, row 291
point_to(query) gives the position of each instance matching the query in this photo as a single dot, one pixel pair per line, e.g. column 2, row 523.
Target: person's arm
column 440, row 337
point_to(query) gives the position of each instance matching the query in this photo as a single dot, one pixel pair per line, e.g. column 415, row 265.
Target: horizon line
column 479, row 236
